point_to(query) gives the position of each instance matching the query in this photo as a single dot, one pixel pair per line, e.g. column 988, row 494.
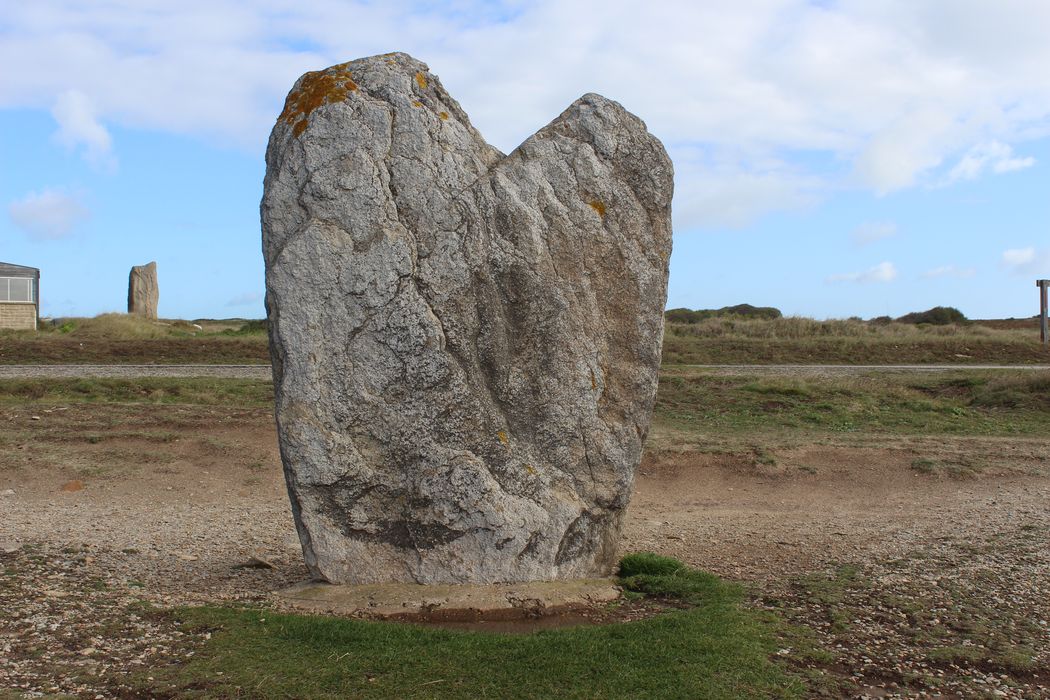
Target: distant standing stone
column 465, row 344
column 143, row 290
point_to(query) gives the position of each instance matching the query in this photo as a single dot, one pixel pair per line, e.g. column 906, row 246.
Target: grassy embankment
column 723, row 340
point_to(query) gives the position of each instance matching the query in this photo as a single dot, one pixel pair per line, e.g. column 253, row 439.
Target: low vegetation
column 738, row 311
column 949, row 403
column 734, row 335
column 114, row 326
column 938, row 316
column 795, row 340
column 166, row 390
column 715, row 647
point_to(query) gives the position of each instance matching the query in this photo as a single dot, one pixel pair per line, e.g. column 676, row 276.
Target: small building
column 19, row 296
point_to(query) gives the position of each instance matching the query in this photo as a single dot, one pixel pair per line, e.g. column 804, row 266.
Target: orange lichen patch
column 421, row 81
column 317, row 88
column 443, row 115
column 502, row 435
column 530, row 469
column 417, row 103
column 598, row 207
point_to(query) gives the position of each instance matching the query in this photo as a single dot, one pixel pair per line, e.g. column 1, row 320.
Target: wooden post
column 1044, row 336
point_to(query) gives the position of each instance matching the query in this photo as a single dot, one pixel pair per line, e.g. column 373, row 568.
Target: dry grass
column 799, row 327
column 116, row 326
column 119, row 338
column 126, row 339
column 734, row 340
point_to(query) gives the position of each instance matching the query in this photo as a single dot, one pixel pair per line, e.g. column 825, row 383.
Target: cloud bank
column 875, row 94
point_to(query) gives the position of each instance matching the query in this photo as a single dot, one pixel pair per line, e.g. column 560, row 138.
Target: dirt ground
column 912, row 582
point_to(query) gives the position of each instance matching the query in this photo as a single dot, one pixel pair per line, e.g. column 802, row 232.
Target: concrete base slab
column 497, row 601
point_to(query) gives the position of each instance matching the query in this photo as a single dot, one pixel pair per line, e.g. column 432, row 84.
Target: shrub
column 741, row 310
column 649, row 564
column 251, row 327
column 938, row 316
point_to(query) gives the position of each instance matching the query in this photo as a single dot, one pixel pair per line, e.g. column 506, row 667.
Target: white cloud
column 715, row 191
column 994, row 155
column 78, row 126
column 871, row 231
column 1024, row 261
column 1018, row 257
column 883, row 272
column 245, row 299
column 949, row 271
column 889, row 90
column 897, row 155
column 47, row 215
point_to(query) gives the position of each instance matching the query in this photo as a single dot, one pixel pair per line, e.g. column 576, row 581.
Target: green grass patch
column 717, row 648
column 955, row 469
column 195, row 390
column 960, row 403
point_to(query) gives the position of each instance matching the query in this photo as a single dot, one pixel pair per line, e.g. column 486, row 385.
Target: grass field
column 119, row 338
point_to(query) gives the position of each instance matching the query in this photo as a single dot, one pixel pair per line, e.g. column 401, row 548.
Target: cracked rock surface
column 465, row 343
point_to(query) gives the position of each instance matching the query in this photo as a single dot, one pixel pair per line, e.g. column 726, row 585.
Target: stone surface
column 486, row 601
column 143, row 290
column 465, row 344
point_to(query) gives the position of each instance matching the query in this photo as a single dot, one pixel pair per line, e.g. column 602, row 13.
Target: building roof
column 12, row 270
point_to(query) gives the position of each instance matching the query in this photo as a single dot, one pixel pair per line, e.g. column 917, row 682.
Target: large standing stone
column 143, row 290
column 465, row 344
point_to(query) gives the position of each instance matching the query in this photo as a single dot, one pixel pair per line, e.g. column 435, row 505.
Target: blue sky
column 832, row 158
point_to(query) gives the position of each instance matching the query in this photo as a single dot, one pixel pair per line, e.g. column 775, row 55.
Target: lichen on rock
column 315, row 89
column 465, row 356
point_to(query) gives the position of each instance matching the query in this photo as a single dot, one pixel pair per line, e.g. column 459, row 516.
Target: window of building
column 16, row 289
